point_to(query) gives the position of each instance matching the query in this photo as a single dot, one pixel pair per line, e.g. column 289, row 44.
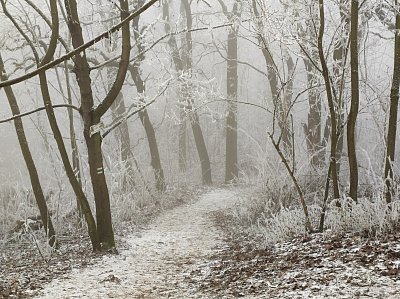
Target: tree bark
column 183, row 64
column 118, row 109
column 339, row 56
column 103, row 214
column 281, row 92
column 312, row 129
column 134, row 69
column 30, row 164
column 332, row 112
column 194, row 117
column 394, row 103
column 91, row 118
column 150, row 132
column 352, row 118
column 231, row 167
column 57, row 133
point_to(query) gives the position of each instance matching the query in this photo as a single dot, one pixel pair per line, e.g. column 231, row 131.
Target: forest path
column 158, row 259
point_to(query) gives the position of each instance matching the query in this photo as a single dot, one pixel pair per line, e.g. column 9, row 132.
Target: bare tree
column 231, row 145
column 68, row 96
column 281, row 87
column 352, row 118
column 30, row 164
column 92, row 115
column 394, row 103
column 331, row 104
column 340, row 53
column 134, row 69
column 51, row 116
column 183, row 65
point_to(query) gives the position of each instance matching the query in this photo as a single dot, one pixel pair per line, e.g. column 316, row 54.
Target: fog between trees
column 198, row 92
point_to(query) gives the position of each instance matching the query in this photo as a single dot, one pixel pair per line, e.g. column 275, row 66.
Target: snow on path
column 157, row 261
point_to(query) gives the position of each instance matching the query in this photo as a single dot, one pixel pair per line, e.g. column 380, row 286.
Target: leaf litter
column 316, row 266
column 193, row 252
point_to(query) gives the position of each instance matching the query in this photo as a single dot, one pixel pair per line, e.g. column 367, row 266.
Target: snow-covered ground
column 158, row 259
column 184, row 253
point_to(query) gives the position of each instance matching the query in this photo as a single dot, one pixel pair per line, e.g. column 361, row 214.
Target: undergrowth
column 130, row 209
column 269, row 207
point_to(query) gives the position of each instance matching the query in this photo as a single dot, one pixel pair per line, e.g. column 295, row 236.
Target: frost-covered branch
column 37, row 110
column 80, row 49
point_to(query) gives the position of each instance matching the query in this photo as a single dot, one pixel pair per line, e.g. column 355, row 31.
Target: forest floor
column 193, row 251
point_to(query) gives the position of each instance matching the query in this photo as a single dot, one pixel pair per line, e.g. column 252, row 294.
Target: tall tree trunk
column 57, row 133
column 134, row 69
column 352, row 118
column 312, row 129
column 74, row 146
column 231, row 154
column 103, row 212
column 331, row 104
column 91, row 118
column 201, row 149
column 52, row 119
column 30, row 164
column 339, row 56
column 182, row 105
column 118, row 109
column 194, row 117
column 150, row 132
column 183, row 64
column 394, row 103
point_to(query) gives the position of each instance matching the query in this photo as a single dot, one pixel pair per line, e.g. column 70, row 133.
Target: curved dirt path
column 157, row 261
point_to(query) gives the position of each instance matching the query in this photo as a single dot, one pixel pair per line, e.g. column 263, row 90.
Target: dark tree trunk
column 52, row 120
column 100, row 189
column 74, row 146
column 54, row 126
column 57, row 133
column 352, row 118
column 201, row 149
column 149, row 129
column 91, row 118
column 331, row 104
column 144, row 115
column 394, row 103
column 30, row 164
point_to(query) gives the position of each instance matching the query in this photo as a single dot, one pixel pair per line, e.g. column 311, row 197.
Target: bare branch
column 37, row 110
column 79, row 49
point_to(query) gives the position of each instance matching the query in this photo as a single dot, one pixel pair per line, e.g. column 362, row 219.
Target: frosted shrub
column 367, row 217
column 287, row 224
column 371, row 217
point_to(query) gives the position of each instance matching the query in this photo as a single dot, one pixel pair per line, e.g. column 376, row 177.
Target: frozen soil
column 158, row 260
